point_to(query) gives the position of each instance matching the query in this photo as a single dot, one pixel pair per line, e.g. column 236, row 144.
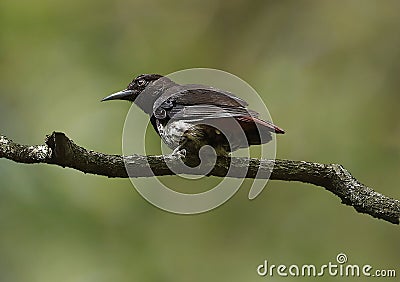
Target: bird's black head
column 137, row 86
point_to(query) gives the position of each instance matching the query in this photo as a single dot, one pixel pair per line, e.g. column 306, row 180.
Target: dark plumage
column 190, row 116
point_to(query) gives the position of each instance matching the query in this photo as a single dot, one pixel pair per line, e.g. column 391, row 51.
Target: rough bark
column 60, row 150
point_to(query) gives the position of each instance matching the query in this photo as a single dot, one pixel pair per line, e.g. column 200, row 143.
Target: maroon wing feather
column 264, row 124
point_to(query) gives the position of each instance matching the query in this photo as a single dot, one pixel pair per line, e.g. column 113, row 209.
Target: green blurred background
column 328, row 71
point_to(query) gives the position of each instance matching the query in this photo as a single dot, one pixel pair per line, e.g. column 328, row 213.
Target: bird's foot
column 178, row 153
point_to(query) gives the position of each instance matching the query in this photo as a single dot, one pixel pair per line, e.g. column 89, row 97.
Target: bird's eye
column 141, row 82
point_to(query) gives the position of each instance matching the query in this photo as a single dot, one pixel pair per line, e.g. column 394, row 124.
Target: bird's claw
column 179, row 153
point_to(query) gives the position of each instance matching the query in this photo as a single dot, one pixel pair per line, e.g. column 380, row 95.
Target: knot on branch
column 61, row 147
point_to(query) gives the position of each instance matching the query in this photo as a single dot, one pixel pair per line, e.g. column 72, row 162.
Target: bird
column 190, row 116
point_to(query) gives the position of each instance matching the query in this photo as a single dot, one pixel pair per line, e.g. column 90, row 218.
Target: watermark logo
column 169, row 197
column 339, row 268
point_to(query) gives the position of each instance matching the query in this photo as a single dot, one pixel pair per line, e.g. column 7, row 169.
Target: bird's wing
column 261, row 124
column 246, row 118
column 204, row 111
column 193, row 94
column 199, row 102
column 201, row 112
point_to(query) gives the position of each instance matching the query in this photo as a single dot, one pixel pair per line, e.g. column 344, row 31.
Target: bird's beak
column 121, row 95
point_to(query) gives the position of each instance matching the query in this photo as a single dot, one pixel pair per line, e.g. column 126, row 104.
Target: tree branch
column 60, row 150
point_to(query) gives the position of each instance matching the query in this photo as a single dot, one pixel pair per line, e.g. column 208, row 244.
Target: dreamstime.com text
column 339, row 268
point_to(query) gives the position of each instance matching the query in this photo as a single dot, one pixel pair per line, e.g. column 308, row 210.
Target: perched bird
column 187, row 117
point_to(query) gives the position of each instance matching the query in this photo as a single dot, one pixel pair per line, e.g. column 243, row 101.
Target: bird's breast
column 172, row 132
